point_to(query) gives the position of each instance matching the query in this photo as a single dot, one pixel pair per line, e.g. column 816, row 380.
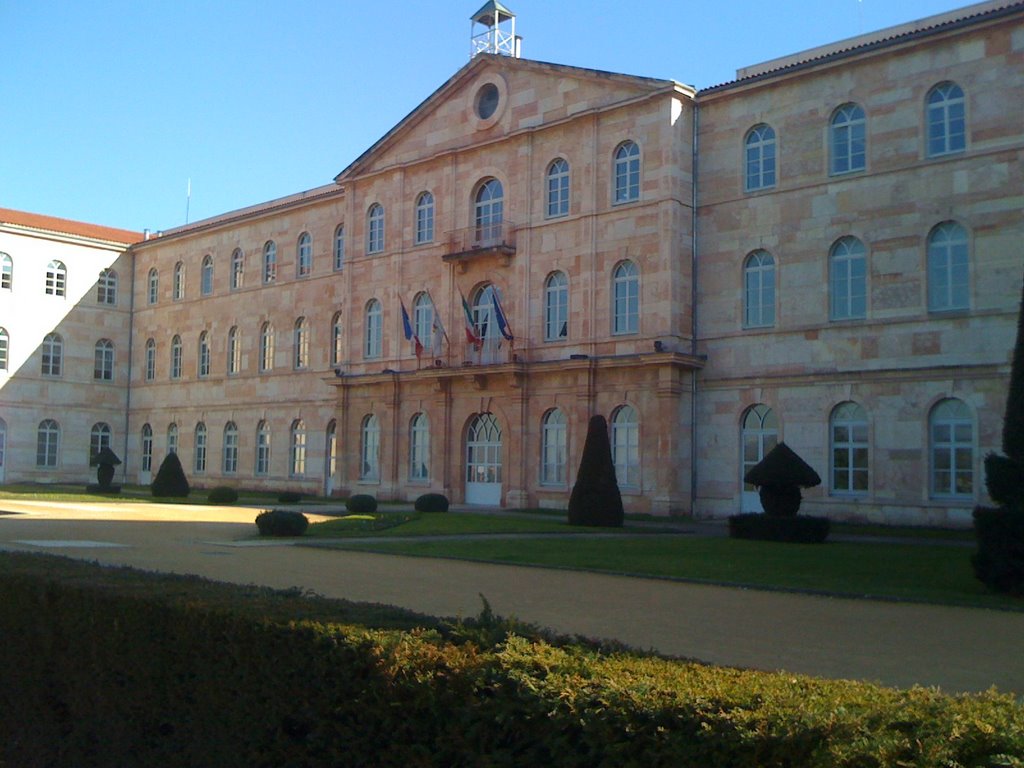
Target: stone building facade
column 825, row 251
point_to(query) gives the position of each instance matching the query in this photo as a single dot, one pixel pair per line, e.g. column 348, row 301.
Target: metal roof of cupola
column 500, row 33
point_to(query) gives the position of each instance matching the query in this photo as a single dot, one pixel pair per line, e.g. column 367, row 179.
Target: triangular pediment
column 529, row 94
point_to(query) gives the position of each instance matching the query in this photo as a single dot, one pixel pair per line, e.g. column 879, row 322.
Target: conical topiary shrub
column 170, row 481
column 595, row 498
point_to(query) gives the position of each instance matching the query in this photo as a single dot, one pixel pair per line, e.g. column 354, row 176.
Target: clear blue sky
column 110, row 106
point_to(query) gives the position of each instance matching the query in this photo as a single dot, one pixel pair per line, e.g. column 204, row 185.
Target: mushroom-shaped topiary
column 105, row 461
column 779, row 476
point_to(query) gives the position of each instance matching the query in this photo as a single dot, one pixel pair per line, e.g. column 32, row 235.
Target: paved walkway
column 957, row 649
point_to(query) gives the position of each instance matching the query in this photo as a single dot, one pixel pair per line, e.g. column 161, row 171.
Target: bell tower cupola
column 499, row 31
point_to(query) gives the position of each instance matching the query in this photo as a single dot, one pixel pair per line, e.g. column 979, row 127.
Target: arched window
column 759, row 433
column 626, row 184
column 304, row 256
column 176, row 357
column 339, row 247
column 424, row 218
column 373, row 339
column 99, row 438
column 297, row 452
column 423, row 320
column 150, row 359
column 947, row 123
column 369, row 449
column 486, row 323
column 262, row 465
column 760, row 157
column 948, row 268
column 847, row 279
column 229, row 463
column 625, row 439
column 56, row 278
column 951, row 430
column 558, row 188
column 375, row 228
column 53, row 355
column 6, row 272
column 556, row 307
column 199, row 455
column 553, row 453
column 625, row 298
column 848, row 435
column 103, row 361
column 204, row 354
column 237, row 268
column 147, row 448
column 419, row 448
column 178, row 284
column 106, row 287
column 172, row 438
column 337, row 340
column 848, row 139
column 488, row 212
column 206, row 276
column 5, row 349
column 300, row 344
column 759, row 290
column 153, row 283
column 234, row 351
column 269, row 261
column 47, row 444
column 266, row 347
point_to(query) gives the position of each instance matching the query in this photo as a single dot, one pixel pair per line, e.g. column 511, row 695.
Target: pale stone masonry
column 826, row 251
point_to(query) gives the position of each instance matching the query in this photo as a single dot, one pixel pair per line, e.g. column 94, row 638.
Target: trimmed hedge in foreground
column 121, row 668
column 798, row 529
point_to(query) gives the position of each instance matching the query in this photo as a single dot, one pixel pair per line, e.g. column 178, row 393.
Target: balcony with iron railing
column 496, row 238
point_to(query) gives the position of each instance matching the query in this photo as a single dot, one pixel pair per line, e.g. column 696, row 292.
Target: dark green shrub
column 779, row 477
column 1004, row 479
column 222, row 495
column 999, row 561
column 281, row 522
column 780, row 500
column 431, row 502
column 595, row 498
column 361, row 504
column 170, row 481
column 289, row 497
column 799, row 529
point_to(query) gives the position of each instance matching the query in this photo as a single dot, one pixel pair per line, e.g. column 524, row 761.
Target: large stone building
column 826, row 250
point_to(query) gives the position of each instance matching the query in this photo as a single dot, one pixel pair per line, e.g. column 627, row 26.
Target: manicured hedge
column 801, row 529
column 431, row 502
column 289, row 497
column 222, row 494
column 120, row 668
column 282, row 522
column 361, row 504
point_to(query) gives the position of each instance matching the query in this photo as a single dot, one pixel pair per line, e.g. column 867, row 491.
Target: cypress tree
column 595, row 498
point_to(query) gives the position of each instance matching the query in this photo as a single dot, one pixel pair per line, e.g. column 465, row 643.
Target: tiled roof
column 68, row 227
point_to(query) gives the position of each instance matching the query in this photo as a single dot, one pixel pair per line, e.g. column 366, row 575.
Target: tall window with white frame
column 178, row 282
column 947, row 121
column 300, row 345
column 553, row 453
column 153, row 286
column 204, row 355
column 106, row 288
column 951, row 430
column 262, row 463
column 759, row 147
column 269, row 261
column 948, row 268
column 53, row 355
column 103, row 361
column 337, row 340
column 369, row 465
column 625, row 298
column 297, row 457
column 206, row 276
column 150, row 359
column 266, row 347
column 172, row 438
column 373, row 338
column 234, row 351
column 424, row 218
column 488, row 213
column 199, row 454
column 48, row 444
column 229, row 462
column 176, row 357
column 625, row 439
column 626, row 173
column 849, row 455
column 423, row 320
column 237, row 268
column 100, row 437
column 558, row 188
column 759, row 290
column 556, row 307
column 5, row 349
column 375, row 228
column 419, row 448
column 56, row 278
column 304, row 256
column 339, row 247
column 848, row 139
column 847, row 280
column 147, row 448
column 6, row 272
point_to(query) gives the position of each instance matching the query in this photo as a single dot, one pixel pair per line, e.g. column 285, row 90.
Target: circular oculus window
column 487, row 99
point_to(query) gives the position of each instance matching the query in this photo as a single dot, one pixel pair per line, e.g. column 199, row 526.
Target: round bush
column 289, row 497
column 222, row 495
column 281, row 522
column 361, row 504
column 431, row 502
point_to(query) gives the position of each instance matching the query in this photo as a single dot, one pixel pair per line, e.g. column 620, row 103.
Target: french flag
column 409, row 333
